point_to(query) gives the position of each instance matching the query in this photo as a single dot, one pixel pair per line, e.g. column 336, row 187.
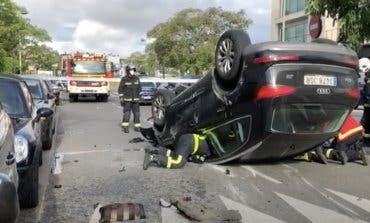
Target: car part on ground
column 284, row 99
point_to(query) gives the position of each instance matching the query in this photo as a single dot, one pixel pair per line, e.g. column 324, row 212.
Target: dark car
column 148, row 90
column 43, row 99
column 270, row 100
column 9, row 205
column 27, row 132
column 54, row 89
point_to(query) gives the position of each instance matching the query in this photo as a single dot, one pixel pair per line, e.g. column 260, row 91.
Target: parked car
column 54, row 89
column 270, row 100
column 25, row 118
column 148, row 90
column 43, row 99
column 9, row 205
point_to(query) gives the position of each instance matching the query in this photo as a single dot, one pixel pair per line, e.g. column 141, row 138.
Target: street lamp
column 24, row 12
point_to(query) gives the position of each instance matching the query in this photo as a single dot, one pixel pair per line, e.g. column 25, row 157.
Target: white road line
column 256, row 172
column 170, row 215
column 85, row 152
column 359, row 202
column 248, row 214
column 323, row 194
column 317, row 214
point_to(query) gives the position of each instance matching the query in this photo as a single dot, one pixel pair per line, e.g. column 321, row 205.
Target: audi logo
column 323, row 91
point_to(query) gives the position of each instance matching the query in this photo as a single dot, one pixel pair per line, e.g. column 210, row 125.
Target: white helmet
column 364, row 64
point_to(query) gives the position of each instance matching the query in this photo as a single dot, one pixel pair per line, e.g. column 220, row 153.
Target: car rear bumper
column 9, row 205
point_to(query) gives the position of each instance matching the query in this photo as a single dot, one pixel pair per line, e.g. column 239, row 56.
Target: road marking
column 325, row 195
column 316, row 213
column 170, row 215
column 248, row 214
column 85, row 152
column 359, row 202
column 256, row 172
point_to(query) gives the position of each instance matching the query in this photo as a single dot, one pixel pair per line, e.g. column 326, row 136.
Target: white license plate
column 89, row 91
column 147, row 97
column 320, row 80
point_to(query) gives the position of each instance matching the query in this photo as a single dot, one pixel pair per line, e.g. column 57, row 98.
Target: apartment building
column 290, row 23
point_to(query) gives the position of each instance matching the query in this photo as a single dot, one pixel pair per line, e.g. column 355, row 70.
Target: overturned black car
column 265, row 101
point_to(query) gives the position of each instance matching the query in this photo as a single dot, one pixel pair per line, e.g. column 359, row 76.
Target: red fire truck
column 87, row 73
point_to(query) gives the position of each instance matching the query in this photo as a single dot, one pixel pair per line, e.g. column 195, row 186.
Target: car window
column 12, row 103
column 35, row 88
column 27, row 96
column 230, row 136
column 147, row 84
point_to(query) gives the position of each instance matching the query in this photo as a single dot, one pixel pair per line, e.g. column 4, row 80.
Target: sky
column 119, row 26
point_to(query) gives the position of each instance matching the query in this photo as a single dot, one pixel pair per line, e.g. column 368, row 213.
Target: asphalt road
column 97, row 164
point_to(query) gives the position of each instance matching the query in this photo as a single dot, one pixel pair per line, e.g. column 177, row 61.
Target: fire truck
column 87, row 75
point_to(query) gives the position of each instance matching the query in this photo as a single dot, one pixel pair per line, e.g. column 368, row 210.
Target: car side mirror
column 44, row 112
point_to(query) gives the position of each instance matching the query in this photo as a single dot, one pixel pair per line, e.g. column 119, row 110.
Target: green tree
column 16, row 33
column 353, row 18
column 186, row 41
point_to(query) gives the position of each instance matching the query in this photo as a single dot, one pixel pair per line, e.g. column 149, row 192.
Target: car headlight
column 21, row 148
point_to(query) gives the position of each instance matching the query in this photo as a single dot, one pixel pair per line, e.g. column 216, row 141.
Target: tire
column 228, row 56
column 48, row 143
column 28, row 189
column 104, row 98
column 161, row 100
column 73, row 98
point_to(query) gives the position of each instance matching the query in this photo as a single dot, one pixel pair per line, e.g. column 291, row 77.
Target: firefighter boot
column 152, row 150
column 343, row 157
column 149, row 159
column 320, row 156
column 363, row 157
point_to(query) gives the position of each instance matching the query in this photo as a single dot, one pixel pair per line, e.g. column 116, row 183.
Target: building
column 290, row 23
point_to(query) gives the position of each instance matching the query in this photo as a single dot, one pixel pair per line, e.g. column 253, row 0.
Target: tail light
column 104, row 83
column 353, row 92
column 275, row 58
column 73, row 83
column 352, row 61
column 270, row 91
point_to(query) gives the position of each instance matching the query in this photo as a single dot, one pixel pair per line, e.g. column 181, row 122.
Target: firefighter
column 189, row 147
column 129, row 92
column 347, row 145
column 316, row 155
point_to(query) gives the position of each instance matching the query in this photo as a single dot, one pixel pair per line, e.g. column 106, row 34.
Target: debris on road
column 123, row 168
column 76, row 161
column 186, row 197
column 57, row 165
column 121, row 212
column 136, row 140
column 227, row 172
column 164, row 203
column 57, row 186
column 201, row 213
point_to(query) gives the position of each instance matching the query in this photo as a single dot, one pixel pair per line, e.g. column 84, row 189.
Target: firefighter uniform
column 129, row 92
column 347, row 145
column 189, row 147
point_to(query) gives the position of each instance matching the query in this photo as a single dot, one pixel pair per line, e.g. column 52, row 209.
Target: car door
column 7, row 155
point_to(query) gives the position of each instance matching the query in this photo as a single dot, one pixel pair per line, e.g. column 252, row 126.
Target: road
column 93, row 152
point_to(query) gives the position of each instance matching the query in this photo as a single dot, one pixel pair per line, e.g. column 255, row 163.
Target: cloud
column 118, row 26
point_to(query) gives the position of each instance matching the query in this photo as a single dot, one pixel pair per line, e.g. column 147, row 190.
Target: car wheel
column 162, row 98
column 28, row 189
column 48, row 143
column 228, row 55
column 104, row 98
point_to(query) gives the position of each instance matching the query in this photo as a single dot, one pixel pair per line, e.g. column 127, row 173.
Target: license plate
column 320, row 80
column 89, row 91
column 147, row 97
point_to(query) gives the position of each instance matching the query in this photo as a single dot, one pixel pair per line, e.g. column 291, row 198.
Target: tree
column 186, row 41
column 353, row 18
column 16, row 33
